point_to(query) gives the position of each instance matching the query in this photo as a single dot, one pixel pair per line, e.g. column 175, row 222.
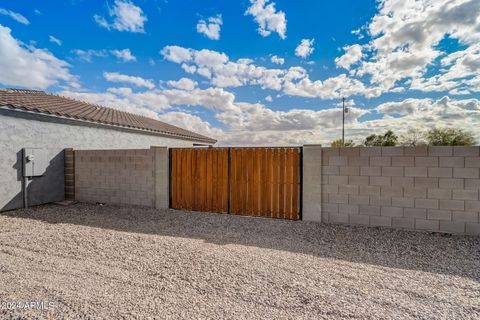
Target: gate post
column 161, row 177
column 312, row 183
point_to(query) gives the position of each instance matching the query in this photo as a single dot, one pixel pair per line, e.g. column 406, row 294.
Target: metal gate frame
column 300, row 177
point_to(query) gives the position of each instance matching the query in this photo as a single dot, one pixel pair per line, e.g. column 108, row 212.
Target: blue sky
column 402, row 65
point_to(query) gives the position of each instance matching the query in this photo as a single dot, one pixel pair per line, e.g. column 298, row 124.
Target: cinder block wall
column 115, row 176
column 69, row 174
column 423, row 188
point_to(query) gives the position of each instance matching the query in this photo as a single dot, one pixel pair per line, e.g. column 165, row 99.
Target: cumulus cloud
column 15, row 16
column 183, row 83
column 28, row 66
column 123, row 78
column 176, row 54
column 123, row 99
column 193, row 123
column 126, row 17
column 210, row 27
column 55, row 40
column 331, row 88
column 268, row 18
column 305, row 48
column 352, row 55
column 87, row 55
column 405, row 38
column 221, row 72
column 245, row 123
column 124, row 55
column 277, row 60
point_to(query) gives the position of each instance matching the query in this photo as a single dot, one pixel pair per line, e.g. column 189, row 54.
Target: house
column 35, row 119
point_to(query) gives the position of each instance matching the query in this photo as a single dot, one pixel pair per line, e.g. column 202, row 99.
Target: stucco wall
column 30, row 130
column 422, row 188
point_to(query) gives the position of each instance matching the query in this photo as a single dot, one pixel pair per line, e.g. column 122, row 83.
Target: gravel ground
column 106, row 262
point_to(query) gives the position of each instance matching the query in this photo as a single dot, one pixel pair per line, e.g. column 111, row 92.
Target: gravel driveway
column 106, row 262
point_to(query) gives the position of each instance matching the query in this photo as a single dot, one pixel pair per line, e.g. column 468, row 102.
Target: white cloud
column 255, row 124
column 268, row 98
column 352, row 55
column 55, row 40
column 331, row 88
column 221, row 72
column 210, row 27
column 183, row 84
column 87, row 55
column 176, row 54
column 126, row 17
column 124, row 55
column 15, row 16
column 30, row 67
column 122, row 99
column 277, row 60
column 405, row 44
column 268, row 18
column 405, row 107
column 193, row 123
column 305, row 48
column 137, row 81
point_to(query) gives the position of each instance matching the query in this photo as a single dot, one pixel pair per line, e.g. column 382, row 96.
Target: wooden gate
column 263, row 182
column 199, row 179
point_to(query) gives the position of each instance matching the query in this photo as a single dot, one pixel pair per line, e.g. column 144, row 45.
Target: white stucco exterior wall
column 19, row 130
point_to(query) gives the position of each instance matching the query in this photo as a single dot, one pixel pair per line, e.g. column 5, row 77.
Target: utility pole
column 343, row 121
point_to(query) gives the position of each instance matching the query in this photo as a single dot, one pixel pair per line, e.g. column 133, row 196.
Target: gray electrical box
column 34, row 162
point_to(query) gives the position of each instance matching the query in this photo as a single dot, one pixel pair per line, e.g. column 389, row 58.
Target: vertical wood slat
column 263, row 181
column 288, row 184
column 275, row 184
column 233, row 182
column 296, row 184
column 198, row 183
column 183, row 173
column 263, row 185
column 186, row 179
column 208, row 180
column 241, row 181
column 215, row 206
column 281, row 184
column 256, row 182
column 194, row 180
column 225, row 180
column 269, row 165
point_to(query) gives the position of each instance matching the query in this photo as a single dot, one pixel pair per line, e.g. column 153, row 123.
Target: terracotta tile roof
column 41, row 102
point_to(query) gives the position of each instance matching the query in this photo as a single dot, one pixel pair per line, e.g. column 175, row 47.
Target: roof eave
column 145, row 131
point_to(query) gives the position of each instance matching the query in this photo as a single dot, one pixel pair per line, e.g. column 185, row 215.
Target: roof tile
column 41, row 102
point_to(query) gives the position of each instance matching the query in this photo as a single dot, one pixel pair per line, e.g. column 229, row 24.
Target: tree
column 389, row 139
column 450, row 137
column 338, row 143
column 413, row 137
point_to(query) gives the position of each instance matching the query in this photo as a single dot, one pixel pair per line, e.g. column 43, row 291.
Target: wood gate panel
column 243, row 181
column 265, row 182
column 199, row 179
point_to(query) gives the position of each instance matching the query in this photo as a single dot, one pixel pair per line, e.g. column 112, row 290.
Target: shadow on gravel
column 443, row 254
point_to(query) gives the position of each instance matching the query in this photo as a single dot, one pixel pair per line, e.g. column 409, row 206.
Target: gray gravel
column 106, row 262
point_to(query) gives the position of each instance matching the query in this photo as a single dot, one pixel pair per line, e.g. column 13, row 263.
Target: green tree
column 389, row 139
column 413, row 137
column 450, row 137
column 338, row 143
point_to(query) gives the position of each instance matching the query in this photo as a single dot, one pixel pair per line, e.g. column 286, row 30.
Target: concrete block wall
column 124, row 177
column 69, row 174
column 422, row 188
